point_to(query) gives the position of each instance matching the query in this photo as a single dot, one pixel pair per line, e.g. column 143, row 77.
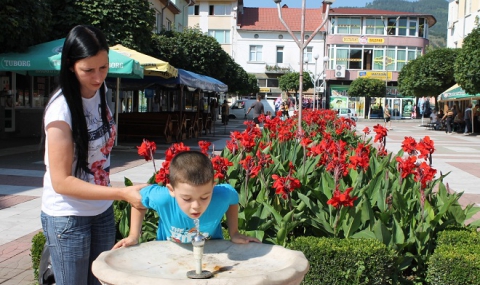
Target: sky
column 308, row 3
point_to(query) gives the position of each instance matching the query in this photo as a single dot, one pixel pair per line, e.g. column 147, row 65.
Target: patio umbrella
column 44, row 60
column 152, row 66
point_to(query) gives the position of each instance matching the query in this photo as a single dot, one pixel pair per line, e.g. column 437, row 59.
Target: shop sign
column 363, row 40
column 382, row 75
column 265, row 89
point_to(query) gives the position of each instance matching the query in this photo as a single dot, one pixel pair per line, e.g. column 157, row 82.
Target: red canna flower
column 424, row 174
column 175, row 149
column 342, row 199
column 285, row 185
column 249, row 165
column 204, row 146
column 305, row 142
column 381, row 132
column 425, row 147
column 406, row 166
column 147, row 149
column 366, row 130
column 220, row 165
column 409, row 145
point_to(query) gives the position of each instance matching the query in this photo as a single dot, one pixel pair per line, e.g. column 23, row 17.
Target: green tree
column 430, row 74
column 290, row 81
column 467, row 64
column 367, row 87
column 192, row 50
column 23, row 24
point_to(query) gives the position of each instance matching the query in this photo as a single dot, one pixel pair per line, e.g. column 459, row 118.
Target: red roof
column 266, row 19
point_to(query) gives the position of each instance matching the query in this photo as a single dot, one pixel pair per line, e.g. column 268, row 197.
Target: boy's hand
column 128, row 241
column 239, row 238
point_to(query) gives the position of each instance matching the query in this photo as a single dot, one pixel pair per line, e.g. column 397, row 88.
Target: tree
column 24, row 23
column 467, row 64
column 192, row 50
column 291, row 81
column 430, row 74
column 367, row 87
column 202, row 54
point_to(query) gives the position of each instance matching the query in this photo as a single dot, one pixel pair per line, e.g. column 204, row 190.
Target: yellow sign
column 382, row 75
column 363, row 40
column 265, row 90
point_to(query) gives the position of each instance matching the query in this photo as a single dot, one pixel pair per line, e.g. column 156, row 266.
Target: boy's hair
column 191, row 167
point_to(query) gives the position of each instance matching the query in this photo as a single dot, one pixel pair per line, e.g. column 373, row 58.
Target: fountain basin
column 165, row 262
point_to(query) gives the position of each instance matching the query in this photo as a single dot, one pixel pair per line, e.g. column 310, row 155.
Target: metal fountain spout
column 198, row 242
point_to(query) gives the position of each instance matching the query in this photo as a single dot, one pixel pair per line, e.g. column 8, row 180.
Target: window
column 391, row 26
column 390, row 59
column 308, row 54
column 194, row 10
column 401, row 58
column 355, row 58
column 255, row 53
column 412, row 27
column 169, row 25
column 219, row 10
column 222, row 36
column 421, row 28
column 378, row 59
column 402, row 26
column 272, row 82
column 279, row 54
column 158, row 21
column 374, row 26
column 350, row 26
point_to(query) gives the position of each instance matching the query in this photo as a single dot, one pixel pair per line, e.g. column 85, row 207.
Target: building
column 463, row 16
column 373, row 44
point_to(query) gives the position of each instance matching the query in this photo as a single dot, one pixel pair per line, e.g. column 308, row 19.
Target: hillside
column 437, row 8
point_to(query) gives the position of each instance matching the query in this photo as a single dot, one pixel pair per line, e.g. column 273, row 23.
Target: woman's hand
column 132, row 195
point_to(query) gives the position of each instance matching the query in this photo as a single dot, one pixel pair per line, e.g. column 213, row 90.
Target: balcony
column 278, row 68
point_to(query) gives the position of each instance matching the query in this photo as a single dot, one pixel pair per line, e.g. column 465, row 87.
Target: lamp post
column 316, row 56
column 302, row 44
column 324, row 75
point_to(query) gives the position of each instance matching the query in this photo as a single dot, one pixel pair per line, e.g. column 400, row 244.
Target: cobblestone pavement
column 22, row 169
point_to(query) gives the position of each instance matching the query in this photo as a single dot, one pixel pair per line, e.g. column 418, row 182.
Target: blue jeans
column 75, row 242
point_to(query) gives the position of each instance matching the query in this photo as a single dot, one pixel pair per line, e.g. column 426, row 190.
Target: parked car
column 347, row 113
column 239, row 108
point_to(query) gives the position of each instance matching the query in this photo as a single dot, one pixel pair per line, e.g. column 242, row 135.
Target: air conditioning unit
column 450, row 25
column 340, row 71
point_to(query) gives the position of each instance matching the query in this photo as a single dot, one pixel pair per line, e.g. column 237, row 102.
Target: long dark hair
column 81, row 42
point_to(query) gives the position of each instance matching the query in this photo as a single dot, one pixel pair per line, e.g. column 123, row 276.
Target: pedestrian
column 468, row 119
column 190, row 195
column 285, row 109
column 257, row 111
column 387, row 118
column 448, row 119
column 77, row 213
column 225, row 112
column 213, row 109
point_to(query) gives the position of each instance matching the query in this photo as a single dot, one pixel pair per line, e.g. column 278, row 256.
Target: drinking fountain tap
column 198, row 242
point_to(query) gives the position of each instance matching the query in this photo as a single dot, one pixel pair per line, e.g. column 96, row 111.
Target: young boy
column 191, row 194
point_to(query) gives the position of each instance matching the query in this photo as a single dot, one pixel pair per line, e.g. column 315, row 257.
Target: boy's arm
column 232, row 223
column 136, row 219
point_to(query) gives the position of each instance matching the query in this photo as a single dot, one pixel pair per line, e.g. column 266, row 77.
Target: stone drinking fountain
column 221, row 262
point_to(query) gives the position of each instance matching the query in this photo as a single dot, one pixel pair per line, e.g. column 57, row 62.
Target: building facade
column 463, row 17
column 367, row 43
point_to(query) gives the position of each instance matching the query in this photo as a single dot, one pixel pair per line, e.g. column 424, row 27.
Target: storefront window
column 390, row 59
column 401, row 58
column 355, row 59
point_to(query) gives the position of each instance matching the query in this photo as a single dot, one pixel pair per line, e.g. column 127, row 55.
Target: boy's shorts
column 387, row 119
column 256, row 120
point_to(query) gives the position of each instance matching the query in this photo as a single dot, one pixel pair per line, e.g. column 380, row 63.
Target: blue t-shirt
column 175, row 225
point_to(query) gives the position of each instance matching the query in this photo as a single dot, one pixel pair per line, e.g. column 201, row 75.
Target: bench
column 146, row 125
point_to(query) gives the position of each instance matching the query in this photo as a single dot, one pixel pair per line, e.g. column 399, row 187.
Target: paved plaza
column 22, row 169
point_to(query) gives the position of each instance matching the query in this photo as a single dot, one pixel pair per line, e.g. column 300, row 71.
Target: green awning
column 456, row 93
column 44, row 60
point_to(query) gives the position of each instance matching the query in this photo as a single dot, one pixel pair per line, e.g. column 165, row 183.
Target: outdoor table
column 166, row 262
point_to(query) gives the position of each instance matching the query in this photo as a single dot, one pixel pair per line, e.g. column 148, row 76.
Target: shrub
column 346, row 261
column 456, row 259
column 38, row 241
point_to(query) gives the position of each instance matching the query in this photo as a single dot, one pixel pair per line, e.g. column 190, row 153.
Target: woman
column 77, row 213
column 448, row 119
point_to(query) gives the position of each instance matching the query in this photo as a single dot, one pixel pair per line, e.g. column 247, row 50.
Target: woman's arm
column 60, row 160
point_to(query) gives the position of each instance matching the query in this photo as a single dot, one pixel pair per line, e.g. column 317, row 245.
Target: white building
column 463, row 17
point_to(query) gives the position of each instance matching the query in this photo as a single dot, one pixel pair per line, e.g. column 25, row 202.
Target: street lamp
column 316, row 56
column 302, row 44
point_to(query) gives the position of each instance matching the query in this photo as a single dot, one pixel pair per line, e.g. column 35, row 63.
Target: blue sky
column 309, row 3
